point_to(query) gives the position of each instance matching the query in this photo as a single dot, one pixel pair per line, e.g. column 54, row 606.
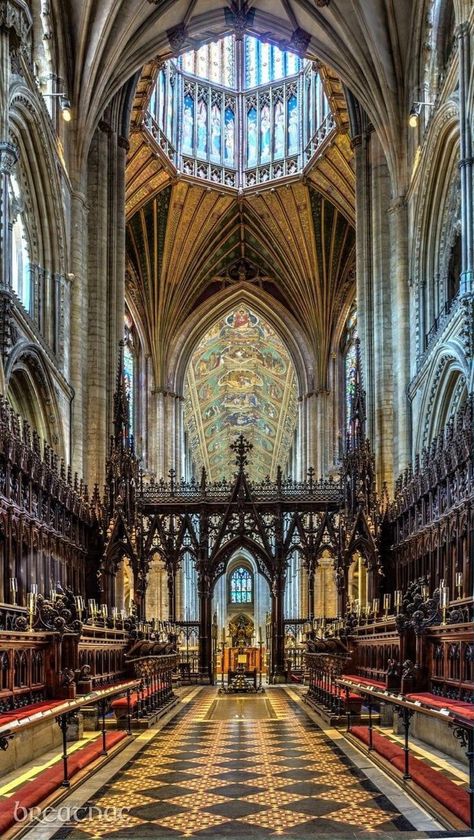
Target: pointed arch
column 31, row 391
column 225, row 554
column 264, row 304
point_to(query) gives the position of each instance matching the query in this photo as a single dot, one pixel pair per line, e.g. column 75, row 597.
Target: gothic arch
column 31, row 392
column 437, row 209
column 33, row 136
column 207, row 313
column 225, row 555
column 443, row 394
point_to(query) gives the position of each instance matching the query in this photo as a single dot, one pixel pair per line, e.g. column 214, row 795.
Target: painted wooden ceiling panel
column 240, row 379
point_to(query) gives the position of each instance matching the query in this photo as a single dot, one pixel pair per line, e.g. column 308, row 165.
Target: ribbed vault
column 192, row 240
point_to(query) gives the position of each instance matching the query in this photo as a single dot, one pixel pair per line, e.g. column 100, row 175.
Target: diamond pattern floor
column 242, row 779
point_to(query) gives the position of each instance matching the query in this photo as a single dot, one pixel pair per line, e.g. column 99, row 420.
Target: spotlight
column 415, row 111
column 65, row 109
column 414, row 115
column 64, row 104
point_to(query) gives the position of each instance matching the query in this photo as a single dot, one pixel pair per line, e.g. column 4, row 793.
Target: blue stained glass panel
column 265, row 134
column 129, row 375
column 279, row 130
column 202, row 127
column 188, row 123
column 216, row 134
column 351, row 361
column 252, row 137
column 292, row 125
column 229, row 136
column 251, row 57
column 241, row 586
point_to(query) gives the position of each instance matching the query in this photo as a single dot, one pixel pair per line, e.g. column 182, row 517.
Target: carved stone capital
column 15, row 16
column 8, row 157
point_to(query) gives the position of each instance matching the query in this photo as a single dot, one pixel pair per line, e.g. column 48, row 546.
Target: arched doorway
column 241, row 604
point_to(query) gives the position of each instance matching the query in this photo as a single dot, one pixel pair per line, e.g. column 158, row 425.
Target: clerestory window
column 239, row 112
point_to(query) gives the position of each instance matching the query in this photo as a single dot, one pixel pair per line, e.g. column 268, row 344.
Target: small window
column 241, row 586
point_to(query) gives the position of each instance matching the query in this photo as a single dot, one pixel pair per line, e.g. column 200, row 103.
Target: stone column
column 466, row 161
column 160, row 434
column 78, row 325
column 10, row 31
column 98, row 314
column 361, row 146
column 169, row 431
column 401, row 333
column 381, row 317
column 301, row 465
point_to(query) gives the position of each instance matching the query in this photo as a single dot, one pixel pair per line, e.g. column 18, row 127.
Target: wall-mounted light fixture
column 415, row 111
column 64, row 104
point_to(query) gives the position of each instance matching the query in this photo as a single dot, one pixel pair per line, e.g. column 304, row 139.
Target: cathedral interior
column 236, row 419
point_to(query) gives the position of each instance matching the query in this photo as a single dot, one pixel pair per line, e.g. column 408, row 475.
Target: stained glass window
column 350, row 362
column 129, row 371
column 20, row 268
column 198, row 99
column 241, row 586
column 215, row 62
column 267, row 63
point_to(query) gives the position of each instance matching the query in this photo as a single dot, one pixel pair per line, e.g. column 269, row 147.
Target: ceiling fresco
column 240, row 379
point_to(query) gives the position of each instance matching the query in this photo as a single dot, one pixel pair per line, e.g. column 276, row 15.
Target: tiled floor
column 208, row 776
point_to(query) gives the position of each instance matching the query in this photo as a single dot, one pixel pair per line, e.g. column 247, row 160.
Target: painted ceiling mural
column 240, row 379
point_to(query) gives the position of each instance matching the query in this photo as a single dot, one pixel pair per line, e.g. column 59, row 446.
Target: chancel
column 236, row 419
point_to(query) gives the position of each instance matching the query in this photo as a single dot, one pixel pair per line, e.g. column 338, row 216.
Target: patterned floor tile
column 241, row 779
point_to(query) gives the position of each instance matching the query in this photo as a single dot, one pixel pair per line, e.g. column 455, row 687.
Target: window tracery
column 129, row 365
column 241, row 586
column 20, row 261
column 199, row 99
column 350, row 363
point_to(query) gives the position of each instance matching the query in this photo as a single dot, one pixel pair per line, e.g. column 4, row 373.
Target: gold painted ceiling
column 240, row 379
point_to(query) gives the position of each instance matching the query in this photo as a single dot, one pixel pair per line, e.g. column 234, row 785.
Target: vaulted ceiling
column 190, row 241
column 187, row 240
column 367, row 42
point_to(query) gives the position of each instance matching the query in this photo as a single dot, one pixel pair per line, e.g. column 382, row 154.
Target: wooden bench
column 434, row 701
column 46, row 783
column 451, row 796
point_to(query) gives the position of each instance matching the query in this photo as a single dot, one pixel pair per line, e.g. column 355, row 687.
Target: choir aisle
column 242, row 768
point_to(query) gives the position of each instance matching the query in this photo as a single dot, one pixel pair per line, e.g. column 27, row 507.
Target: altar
column 255, row 658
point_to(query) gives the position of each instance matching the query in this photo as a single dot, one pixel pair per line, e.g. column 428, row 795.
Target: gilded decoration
column 240, row 379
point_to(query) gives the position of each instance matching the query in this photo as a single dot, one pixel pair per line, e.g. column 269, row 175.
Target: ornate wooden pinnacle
column 241, row 447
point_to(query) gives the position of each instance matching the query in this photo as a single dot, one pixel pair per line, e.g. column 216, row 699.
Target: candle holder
column 79, row 601
column 459, row 585
column 31, row 609
column 92, row 609
column 387, row 603
column 114, row 616
column 398, row 600
column 375, row 607
column 13, row 590
column 444, row 601
column 425, row 592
